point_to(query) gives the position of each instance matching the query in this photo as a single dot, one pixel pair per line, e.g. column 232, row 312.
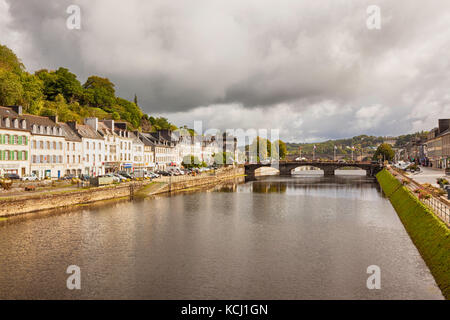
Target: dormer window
column 60, row 132
column 16, row 123
column 41, row 129
column 54, row 131
column 34, row 128
column 24, row 124
column 7, row 122
column 48, row 130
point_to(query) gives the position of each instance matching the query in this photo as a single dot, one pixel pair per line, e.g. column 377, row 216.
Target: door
column 23, row 172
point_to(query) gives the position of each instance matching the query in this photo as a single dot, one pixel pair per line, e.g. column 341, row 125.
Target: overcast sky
column 309, row 68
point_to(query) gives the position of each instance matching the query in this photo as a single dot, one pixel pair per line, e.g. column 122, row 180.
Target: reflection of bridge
column 328, row 167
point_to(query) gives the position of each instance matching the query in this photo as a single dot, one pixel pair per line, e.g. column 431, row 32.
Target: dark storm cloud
column 254, row 56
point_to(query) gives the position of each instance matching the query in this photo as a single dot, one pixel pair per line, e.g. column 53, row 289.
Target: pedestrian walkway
column 438, row 204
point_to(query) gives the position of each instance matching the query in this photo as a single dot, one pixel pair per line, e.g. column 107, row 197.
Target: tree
column 99, row 92
column 384, row 152
column 61, row 81
column 9, row 61
column 191, row 161
column 11, row 89
column 279, row 146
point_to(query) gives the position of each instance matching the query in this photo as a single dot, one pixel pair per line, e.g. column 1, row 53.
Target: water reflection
column 274, row 238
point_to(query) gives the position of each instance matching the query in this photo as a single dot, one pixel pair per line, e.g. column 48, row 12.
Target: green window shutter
column 11, row 155
column 26, row 140
column 1, row 154
column 19, row 155
column 11, row 139
column 1, row 139
column 19, row 140
column 26, row 155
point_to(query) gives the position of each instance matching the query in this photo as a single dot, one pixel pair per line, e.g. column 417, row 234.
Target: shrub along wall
column 429, row 234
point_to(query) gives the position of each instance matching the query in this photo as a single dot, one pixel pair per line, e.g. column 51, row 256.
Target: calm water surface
column 303, row 237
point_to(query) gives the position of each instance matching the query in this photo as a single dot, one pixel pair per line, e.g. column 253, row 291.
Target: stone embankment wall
column 44, row 201
column 429, row 234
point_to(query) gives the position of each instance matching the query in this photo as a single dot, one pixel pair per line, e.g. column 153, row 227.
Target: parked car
column 120, row 177
column 12, row 176
column 125, row 174
column 115, row 178
column 30, row 177
column 84, row 177
column 69, row 177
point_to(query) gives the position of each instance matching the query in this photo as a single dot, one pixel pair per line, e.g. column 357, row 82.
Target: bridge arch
column 306, row 169
column 266, row 171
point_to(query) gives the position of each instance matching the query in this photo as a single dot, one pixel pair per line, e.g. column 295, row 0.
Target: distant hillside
column 58, row 92
column 364, row 143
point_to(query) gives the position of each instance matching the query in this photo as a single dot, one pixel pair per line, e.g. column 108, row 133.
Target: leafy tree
column 191, row 161
column 384, row 152
column 99, row 92
column 9, row 61
column 281, row 147
column 11, row 89
column 223, row 158
column 32, row 95
column 61, row 81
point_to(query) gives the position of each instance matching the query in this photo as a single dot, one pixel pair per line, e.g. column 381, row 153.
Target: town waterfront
column 302, row 237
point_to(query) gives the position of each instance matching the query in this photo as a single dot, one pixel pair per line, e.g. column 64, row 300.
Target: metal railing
column 435, row 203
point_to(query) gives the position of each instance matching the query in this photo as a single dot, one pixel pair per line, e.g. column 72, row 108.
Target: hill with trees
column 59, row 92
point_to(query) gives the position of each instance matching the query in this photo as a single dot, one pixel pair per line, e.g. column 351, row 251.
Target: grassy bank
column 429, row 234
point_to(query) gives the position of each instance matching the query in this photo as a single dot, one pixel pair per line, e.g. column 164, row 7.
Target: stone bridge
column 286, row 167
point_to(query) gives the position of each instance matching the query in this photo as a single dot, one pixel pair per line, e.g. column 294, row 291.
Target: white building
column 73, row 155
column 112, row 145
column 138, row 154
column 14, row 141
column 125, row 146
column 47, row 147
column 93, row 147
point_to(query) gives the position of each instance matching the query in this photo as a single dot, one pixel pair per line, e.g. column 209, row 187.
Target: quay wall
column 428, row 233
column 11, row 206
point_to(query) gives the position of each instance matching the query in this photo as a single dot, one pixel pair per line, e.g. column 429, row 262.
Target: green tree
column 99, row 92
column 282, row 150
column 11, row 90
column 191, row 161
column 61, row 81
column 9, row 61
column 384, row 152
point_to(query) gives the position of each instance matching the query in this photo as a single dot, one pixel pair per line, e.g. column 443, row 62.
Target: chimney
column 72, row 125
column 109, row 123
column 53, row 118
column 92, row 122
column 444, row 124
column 16, row 109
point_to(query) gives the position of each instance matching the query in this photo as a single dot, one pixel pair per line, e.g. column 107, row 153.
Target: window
column 79, row 159
column 99, row 146
column 73, row 158
column 54, row 145
column 93, row 145
column 34, row 159
column 24, row 124
column 16, row 140
column 7, row 141
column 68, row 144
column 48, row 145
column 7, row 122
column 34, row 128
column 41, row 129
column 60, row 159
column 24, row 155
column 99, row 158
column 7, row 154
column 68, row 159
column 41, row 144
column 60, row 146
column 87, row 158
column 73, row 146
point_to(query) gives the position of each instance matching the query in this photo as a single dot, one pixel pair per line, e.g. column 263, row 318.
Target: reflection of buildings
column 269, row 187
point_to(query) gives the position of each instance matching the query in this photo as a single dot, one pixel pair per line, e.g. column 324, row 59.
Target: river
column 302, row 237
